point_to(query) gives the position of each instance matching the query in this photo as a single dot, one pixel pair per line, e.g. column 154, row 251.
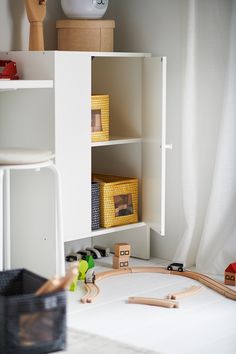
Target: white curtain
column 209, row 137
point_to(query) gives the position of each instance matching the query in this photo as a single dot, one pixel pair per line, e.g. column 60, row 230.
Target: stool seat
column 19, row 156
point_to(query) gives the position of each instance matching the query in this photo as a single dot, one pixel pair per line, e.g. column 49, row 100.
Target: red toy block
column 9, row 71
column 230, row 274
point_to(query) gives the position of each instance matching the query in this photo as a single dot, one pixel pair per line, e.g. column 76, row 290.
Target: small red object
column 231, row 268
column 230, row 274
column 10, row 71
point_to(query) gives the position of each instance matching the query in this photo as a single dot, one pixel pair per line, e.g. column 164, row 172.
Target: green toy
column 83, row 267
column 90, row 261
column 73, row 285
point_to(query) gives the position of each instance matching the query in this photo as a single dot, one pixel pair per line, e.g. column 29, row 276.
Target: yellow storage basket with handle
column 100, row 118
column 118, row 200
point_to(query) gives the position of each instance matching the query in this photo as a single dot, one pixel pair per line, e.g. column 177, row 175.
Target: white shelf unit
column 57, row 116
column 6, row 85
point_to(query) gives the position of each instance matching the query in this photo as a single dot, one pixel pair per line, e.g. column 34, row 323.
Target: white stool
column 26, row 159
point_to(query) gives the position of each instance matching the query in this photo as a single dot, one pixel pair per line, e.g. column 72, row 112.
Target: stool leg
column 6, row 221
column 1, row 219
column 60, row 261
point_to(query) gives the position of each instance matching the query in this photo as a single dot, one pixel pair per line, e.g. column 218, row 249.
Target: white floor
column 204, row 323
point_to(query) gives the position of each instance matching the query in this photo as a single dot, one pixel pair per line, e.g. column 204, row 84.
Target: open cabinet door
column 154, row 143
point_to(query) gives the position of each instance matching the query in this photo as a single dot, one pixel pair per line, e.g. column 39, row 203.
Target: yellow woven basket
column 118, row 200
column 100, row 118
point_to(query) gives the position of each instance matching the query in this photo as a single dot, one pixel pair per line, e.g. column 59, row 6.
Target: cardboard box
column 85, row 35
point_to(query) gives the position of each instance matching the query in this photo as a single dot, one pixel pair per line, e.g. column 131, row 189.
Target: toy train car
column 90, row 276
column 73, row 257
column 105, row 251
column 176, row 266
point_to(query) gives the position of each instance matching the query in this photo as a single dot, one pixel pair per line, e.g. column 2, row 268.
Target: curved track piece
column 92, row 291
column 187, row 292
column 210, row 283
column 213, row 284
column 153, row 301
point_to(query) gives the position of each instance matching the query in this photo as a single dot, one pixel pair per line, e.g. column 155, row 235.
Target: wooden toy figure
column 230, row 274
column 122, row 249
column 120, row 262
column 36, row 11
column 122, row 254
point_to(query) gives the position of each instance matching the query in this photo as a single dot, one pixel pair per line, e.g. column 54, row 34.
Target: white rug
column 82, row 342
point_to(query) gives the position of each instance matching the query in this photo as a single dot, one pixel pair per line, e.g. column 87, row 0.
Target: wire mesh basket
column 95, row 206
column 30, row 324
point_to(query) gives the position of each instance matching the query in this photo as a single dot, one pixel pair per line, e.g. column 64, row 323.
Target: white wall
column 14, row 26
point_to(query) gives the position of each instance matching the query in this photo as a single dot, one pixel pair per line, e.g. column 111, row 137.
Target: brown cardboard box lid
column 85, row 24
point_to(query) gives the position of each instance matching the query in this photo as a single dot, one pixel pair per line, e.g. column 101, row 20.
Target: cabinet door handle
column 169, row 146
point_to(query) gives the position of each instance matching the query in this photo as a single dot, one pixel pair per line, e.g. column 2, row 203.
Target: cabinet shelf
column 115, row 54
column 110, row 230
column 6, row 85
column 117, row 141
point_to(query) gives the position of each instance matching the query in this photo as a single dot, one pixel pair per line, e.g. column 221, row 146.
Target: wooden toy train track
column 92, row 290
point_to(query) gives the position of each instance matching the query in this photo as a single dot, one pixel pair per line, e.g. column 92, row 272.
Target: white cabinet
column 57, row 116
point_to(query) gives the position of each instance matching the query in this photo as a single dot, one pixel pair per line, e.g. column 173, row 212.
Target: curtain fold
column 209, row 137
column 218, row 240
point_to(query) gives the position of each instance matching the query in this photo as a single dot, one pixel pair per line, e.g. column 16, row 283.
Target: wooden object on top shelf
column 36, row 12
column 85, row 35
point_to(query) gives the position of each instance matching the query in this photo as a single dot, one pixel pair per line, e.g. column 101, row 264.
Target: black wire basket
column 95, row 206
column 30, row 324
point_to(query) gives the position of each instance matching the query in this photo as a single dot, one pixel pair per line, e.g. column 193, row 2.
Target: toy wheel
column 169, row 268
column 180, row 269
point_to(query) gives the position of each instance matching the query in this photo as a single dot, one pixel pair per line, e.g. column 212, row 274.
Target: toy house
column 122, row 254
column 230, row 274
